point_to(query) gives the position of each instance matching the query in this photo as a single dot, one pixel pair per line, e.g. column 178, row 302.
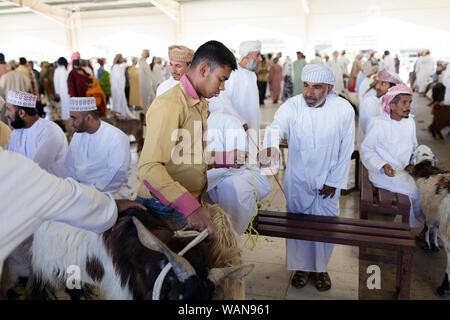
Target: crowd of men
column 203, row 145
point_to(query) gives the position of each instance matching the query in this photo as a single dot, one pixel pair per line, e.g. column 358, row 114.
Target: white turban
column 249, row 46
column 318, row 73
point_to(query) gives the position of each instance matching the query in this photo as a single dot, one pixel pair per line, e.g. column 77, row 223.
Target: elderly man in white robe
column 38, row 139
column 236, row 190
column 424, row 71
column 35, row 196
column 180, row 58
column 146, row 81
column 371, row 106
column 241, row 97
column 99, row 153
column 388, row 62
column 119, row 103
column 320, row 129
column 387, row 148
column 336, row 67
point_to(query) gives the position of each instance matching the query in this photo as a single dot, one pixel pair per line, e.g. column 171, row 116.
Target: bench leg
column 399, row 270
column 405, row 277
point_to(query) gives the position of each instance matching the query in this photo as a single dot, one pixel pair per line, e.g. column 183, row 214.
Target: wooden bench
column 347, row 231
column 381, row 201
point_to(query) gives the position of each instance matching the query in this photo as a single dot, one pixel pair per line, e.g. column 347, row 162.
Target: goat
column 441, row 119
column 434, row 188
column 125, row 260
column 134, row 127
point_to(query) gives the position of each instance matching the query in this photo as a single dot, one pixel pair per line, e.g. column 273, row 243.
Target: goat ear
column 234, row 273
column 181, row 266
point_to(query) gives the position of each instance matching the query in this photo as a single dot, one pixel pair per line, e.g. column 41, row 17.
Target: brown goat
column 441, row 119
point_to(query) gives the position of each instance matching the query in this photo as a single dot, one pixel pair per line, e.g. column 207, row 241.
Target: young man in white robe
column 387, row 148
column 180, row 58
column 371, row 106
column 241, row 96
column 236, row 190
column 388, row 62
column 99, row 153
column 320, row 129
column 61, row 87
column 119, row 103
column 146, row 81
column 35, row 196
column 36, row 138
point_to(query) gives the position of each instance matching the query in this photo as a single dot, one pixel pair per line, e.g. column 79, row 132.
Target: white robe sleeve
column 279, row 128
column 338, row 176
column 369, row 157
column 35, row 196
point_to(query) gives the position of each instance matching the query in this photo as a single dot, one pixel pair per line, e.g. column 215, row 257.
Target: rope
column 401, row 172
column 162, row 275
column 250, row 227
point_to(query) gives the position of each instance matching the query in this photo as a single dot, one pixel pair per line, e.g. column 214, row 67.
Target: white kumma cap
column 21, row 99
column 82, row 104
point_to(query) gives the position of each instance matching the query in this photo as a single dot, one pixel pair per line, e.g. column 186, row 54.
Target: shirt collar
column 189, row 88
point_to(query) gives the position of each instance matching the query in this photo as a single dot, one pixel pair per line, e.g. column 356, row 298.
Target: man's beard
column 18, row 123
column 318, row 103
column 251, row 65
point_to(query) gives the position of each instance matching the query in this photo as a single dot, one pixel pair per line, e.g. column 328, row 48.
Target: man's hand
column 410, row 169
column 123, row 205
column 388, row 170
column 267, row 156
column 200, row 220
column 327, row 191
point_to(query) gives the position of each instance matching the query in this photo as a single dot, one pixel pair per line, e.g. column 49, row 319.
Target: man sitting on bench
column 320, row 129
column 387, row 148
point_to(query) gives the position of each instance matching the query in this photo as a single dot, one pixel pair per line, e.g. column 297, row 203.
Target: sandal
column 322, row 281
column 300, row 279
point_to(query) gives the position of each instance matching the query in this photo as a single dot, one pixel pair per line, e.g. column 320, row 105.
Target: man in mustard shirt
column 172, row 166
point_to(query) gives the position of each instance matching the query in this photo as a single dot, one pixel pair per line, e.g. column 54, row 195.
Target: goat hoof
column 426, row 246
column 434, row 248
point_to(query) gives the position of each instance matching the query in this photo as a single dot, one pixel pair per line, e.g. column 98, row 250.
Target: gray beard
column 251, row 65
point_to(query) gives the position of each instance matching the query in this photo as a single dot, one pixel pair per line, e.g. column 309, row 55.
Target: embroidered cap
column 82, row 104
column 21, row 99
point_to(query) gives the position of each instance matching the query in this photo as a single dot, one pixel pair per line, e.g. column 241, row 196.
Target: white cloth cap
column 21, row 99
column 82, row 104
column 249, row 46
column 318, row 73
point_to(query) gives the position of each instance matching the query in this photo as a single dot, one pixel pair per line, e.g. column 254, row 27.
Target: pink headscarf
column 391, row 94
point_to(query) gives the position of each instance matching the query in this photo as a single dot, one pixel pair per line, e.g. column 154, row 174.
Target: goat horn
column 216, row 275
column 181, row 266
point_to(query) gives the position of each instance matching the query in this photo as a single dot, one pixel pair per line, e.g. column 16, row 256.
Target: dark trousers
column 262, row 87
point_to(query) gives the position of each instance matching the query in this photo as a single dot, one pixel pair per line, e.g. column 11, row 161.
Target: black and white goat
column 124, row 261
column 434, row 187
